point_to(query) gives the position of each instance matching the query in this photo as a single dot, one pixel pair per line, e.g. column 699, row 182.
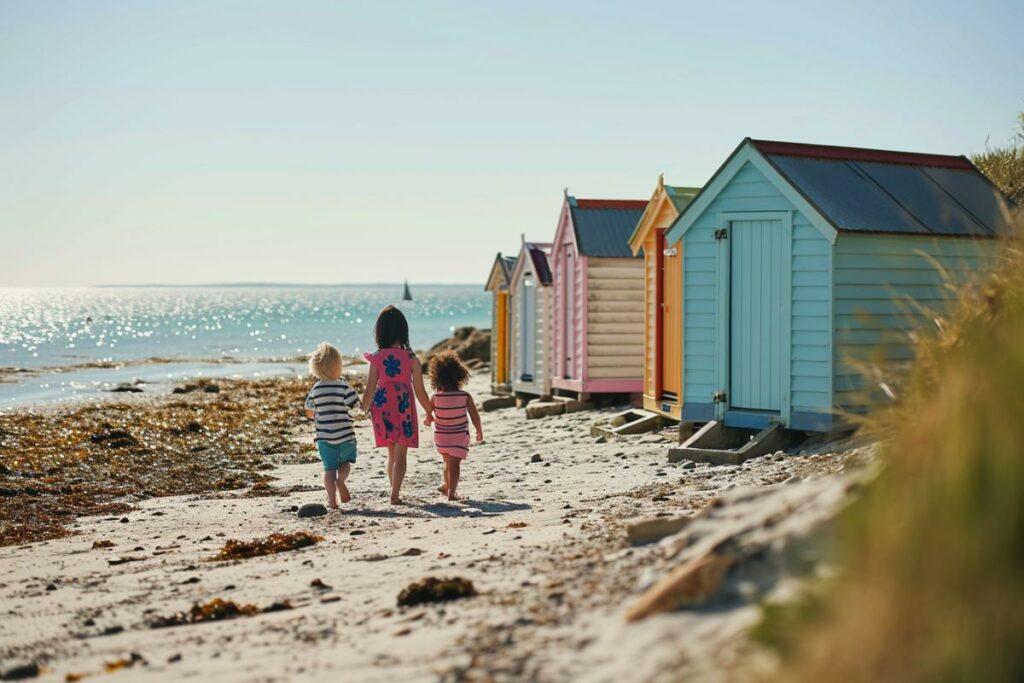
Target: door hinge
column 722, row 234
column 718, row 397
column 671, row 251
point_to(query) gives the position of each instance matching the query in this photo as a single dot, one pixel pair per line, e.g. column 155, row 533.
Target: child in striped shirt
column 328, row 404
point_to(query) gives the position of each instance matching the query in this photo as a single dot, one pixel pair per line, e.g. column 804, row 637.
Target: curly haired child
column 453, row 409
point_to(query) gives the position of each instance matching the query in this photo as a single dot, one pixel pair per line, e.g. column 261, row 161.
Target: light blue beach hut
column 803, row 260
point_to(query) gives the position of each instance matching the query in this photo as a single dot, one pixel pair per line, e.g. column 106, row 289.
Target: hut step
column 632, row 421
column 717, row 444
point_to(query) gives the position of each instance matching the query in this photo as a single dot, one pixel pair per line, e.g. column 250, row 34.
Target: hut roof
column 602, row 226
column 501, row 272
column 870, row 190
column 539, row 255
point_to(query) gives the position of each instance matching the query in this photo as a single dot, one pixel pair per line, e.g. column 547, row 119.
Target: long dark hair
column 392, row 330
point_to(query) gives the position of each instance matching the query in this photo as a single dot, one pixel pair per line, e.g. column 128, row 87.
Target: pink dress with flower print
column 393, row 410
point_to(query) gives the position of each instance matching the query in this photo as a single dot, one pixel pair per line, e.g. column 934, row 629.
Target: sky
column 353, row 142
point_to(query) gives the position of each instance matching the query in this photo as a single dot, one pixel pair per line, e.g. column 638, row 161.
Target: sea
column 153, row 337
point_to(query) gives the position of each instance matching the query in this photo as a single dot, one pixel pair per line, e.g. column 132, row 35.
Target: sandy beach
column 541, row 532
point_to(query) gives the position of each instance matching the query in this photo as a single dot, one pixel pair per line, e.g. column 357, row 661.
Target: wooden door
column 501, row 338
column 528, row 329
column 755, row 318
column 569, row 314
column 671, row 302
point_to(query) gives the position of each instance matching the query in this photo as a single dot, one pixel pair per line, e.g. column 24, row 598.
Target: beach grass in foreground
column 932, row 587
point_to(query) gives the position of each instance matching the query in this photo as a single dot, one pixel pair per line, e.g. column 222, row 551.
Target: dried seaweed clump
column 217, row 609
column 98, row 459
column 274, row 543
column 432, row 589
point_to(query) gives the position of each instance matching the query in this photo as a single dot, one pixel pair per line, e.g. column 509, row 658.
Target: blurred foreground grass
column 932, row 556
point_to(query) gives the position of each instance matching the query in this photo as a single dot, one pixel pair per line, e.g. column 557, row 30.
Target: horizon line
column 158, row 285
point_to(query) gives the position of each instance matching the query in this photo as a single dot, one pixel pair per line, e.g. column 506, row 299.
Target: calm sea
column 60, row 327
column 47, row 327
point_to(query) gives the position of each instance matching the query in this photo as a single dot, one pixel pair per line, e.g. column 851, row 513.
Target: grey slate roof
column 862, row 190
column 540, row 262
column 603, row 226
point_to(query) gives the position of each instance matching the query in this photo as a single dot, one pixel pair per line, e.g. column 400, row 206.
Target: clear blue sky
column 188, row 142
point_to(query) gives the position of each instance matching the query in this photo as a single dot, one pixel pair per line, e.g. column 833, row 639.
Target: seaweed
column 97, row 459
column 217, row 609
column 432, row 589
column 272, row 544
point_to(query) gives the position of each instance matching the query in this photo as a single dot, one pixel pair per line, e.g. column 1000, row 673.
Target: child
column 395, row 375
column 451, row 406
column 328, row 402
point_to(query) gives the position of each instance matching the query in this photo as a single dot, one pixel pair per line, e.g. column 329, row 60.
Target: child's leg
column 444, row 486
column 398, row 473
column 454, row 469
column 391, row 462
column 330, row 477
column 343, row 473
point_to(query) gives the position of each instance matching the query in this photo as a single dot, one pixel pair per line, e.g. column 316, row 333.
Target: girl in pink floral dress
column 394, row 378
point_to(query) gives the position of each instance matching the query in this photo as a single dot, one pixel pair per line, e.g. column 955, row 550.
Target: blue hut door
column 758, row 270
column 527, row 348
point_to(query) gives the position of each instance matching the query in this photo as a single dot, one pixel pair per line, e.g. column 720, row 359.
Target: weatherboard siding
column 615, row 319
column 887, row 289
column 811, row 311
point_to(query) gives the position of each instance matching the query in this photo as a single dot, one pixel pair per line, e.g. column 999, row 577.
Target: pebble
column 536, row 458
column 20, row 672
column 312, row 510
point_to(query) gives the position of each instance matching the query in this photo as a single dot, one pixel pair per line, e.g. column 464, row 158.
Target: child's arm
column 474, row 415
column 309, row 407
column 419, row 389
column 430, row 414
column 371, row 386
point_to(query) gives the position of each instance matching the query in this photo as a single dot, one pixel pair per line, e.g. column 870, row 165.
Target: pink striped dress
column 451, row 423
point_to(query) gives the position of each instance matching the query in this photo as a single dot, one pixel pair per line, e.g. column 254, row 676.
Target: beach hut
column 801, row 261
column 598, row 318
column 663, row 298
column 530, row 332
column 498, row 285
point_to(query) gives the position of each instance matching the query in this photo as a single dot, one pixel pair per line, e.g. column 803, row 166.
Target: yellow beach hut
column 663, row 298
column 498, row 284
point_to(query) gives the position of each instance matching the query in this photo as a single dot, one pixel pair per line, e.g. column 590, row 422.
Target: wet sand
column 544, row 543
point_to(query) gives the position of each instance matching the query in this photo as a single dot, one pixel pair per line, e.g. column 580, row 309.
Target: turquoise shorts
column 335, row 455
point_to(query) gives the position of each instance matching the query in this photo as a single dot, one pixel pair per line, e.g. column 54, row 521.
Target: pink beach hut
column 598, row 313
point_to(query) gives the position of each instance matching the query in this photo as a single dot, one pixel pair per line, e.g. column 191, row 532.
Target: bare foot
column 395, row 500
column 453, row 498
column 442, row 490
column 332, row 505
column 343, row 493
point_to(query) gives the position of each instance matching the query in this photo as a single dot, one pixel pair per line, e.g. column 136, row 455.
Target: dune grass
column 932, row 585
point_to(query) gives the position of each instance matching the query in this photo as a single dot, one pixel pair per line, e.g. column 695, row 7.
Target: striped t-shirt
column 330, row 401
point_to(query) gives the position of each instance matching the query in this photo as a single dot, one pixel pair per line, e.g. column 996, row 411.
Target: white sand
column 553, row 593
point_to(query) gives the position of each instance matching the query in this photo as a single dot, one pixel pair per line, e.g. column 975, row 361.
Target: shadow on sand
column 464, row 508
column 474, row 508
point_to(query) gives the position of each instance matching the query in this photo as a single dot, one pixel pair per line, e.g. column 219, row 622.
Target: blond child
column 328, row 403
column 452, row 410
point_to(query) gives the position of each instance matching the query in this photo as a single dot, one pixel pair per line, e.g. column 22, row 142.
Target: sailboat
column 407, row 296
